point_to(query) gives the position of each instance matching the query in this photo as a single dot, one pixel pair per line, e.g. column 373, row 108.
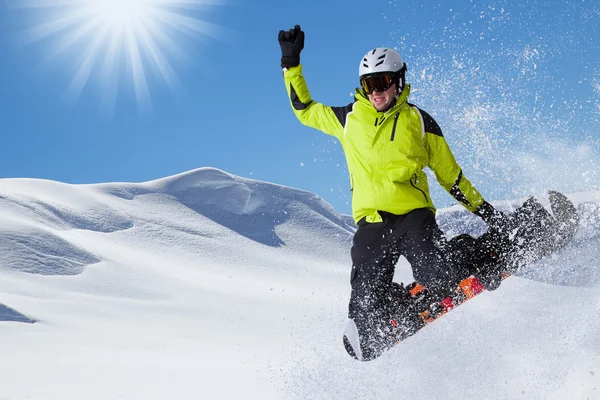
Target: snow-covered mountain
column 206, row 285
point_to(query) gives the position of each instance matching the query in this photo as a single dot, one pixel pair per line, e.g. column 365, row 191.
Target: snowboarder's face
column 382, row 100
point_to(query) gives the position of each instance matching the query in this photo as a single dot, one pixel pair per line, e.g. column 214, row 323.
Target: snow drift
column 209, row 285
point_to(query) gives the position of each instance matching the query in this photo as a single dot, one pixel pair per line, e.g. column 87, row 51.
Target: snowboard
column 530, row 233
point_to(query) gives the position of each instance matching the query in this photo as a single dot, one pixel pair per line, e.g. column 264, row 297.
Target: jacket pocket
column 401, row 170
column 413, row 183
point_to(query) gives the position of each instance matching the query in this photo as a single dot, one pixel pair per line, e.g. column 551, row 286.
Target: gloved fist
column 292, row 43
column 495, row 219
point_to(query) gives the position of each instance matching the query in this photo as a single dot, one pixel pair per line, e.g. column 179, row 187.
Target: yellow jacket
column 386, row 151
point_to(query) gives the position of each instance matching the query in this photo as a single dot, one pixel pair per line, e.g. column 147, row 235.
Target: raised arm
column 330, row 120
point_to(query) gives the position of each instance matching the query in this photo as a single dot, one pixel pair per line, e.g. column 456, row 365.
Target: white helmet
column 380, row 60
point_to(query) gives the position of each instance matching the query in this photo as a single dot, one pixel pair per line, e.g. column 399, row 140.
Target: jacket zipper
column 413, row 184
column 394, row 127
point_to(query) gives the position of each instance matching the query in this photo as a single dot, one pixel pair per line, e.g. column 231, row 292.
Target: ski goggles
column 378, row 82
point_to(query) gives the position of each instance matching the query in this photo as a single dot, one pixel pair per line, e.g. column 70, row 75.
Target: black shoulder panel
column 430, row 125
column 342, row 112
column 296, row 102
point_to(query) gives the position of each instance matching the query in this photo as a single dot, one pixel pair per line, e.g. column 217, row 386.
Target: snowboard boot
column 490, row 272
column 405, row 300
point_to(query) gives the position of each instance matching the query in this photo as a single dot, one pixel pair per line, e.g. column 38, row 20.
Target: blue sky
column 515, row 88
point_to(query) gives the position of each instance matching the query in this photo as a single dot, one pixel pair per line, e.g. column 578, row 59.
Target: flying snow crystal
column 596, row 86
column 108, row 35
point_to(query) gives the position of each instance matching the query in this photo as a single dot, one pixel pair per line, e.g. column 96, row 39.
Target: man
column 387, row 143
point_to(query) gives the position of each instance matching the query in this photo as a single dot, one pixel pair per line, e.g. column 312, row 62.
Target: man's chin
column 380, row 106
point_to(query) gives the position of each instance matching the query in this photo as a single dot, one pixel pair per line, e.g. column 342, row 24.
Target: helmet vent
column 379, row 63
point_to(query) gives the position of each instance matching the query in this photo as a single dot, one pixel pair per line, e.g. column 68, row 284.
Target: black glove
column 292, row 43
column 495, row 219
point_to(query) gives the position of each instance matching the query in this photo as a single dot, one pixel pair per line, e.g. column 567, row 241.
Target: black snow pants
column 375, row 251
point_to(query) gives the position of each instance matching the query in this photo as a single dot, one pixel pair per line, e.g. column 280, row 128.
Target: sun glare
column 120, row 13
column 111, row 35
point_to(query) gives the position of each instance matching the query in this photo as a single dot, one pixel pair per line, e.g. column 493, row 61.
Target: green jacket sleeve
column 308, row 111
column 449, row 174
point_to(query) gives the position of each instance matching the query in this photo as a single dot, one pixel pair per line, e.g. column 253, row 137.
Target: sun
column 120, row 13
column 108, row 42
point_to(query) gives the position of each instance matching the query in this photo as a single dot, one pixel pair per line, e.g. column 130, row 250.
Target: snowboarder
column 387, row 142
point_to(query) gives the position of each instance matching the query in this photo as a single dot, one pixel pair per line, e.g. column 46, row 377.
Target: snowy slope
column 205, row 285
